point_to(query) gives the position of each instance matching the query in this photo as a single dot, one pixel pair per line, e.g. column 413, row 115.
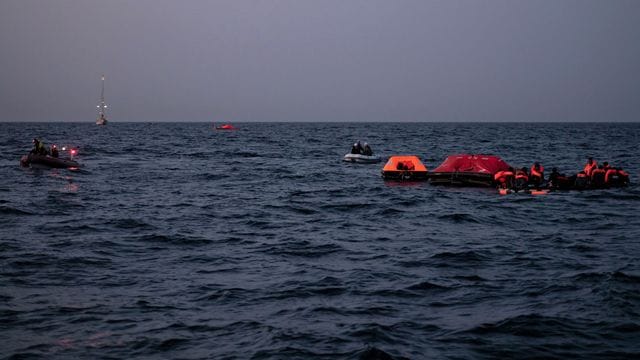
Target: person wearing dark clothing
column 356, row 148
column 581, row 180
column 522, row 179
column 559, row 181
column 367, row 150
column 38, row 147
column 54, row 151
column 597, row 177
column 553, row 177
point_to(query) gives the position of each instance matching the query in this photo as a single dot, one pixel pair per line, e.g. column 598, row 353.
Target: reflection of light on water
column 70, row 186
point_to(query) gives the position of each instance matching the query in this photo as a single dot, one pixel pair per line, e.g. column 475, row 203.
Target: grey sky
column 321, row 60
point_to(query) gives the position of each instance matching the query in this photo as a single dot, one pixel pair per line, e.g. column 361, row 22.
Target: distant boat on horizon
column 225, row 127
column 102, row 119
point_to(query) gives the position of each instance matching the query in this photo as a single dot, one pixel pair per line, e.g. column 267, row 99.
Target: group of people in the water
column 358, row 148
column 39, row 148
column 593, row 176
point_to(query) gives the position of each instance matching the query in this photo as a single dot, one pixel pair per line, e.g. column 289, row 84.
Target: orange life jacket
column 582, row 175
column 608, row 174
column 590, row 167
column 408, row 165
column 502, row 175
column 537, row 173
column 597, row 171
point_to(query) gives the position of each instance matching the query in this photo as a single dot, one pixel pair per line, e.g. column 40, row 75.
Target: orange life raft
column 406, row 167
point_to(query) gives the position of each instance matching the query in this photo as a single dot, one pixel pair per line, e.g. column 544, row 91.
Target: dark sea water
column 178, row 241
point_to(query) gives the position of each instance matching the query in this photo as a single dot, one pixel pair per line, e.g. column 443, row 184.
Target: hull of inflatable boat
column 362, row 159
column 46, row 161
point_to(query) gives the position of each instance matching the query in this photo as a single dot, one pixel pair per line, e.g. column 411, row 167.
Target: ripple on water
column 233, row 246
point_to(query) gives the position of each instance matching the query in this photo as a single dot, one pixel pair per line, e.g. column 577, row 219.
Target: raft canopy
column 409, row 163
column 469, row 163
column 468, row 170
column 404, row 168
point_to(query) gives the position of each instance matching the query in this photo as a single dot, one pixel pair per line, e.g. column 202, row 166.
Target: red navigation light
column 74, row 151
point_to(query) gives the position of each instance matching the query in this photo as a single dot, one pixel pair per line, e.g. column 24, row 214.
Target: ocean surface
column 181, row 242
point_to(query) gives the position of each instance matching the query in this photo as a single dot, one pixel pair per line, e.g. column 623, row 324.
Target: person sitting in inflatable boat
column 522, row 179
column 356, row 148
column 536, row 174
column 39, row 148
column 559, row 181
column 505, row 178
column 405, row 165
column 367, row 150
column 616, row 177
column 54, row 151
column 597, row 177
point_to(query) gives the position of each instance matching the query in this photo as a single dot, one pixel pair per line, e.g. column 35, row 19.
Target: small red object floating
column 225, row 127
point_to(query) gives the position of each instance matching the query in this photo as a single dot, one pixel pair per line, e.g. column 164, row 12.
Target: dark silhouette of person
column 367, row 150
column 54, row 151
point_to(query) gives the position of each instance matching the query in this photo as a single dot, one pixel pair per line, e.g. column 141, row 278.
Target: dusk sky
column 323, row 60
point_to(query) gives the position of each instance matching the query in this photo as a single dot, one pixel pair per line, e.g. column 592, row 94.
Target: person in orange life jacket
column 590, row 166
column 597, row 177
column 623, row 176
column 609, row 174
column 536, row 176
column 504, row 178
column 408, row 165
column 522, row 179
column 616, row 177
column 405, row 165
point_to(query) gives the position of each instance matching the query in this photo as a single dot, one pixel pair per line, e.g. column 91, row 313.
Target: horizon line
column 329, row 122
